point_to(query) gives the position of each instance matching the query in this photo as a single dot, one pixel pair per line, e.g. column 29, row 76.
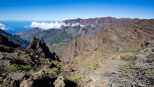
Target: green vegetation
column 75, row 78
column 149, row 72
column 75, row 55
column 54, row 36
column 137, row 52
column 150, row 58
column 128, row 57
column 125, row 79
column 59, row 65
column 17, row 67
column 95, row 66
column 56, row 40
column 129, row 67
column 48, row 71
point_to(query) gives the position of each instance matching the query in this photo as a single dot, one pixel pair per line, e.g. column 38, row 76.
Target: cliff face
column 110, row 40
column 76, row 47
column 93, row 26
column 107, row 40
column 140, row 31
column 104, row 22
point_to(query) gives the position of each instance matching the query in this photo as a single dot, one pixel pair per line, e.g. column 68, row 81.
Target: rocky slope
column 31, row 67
column 138, row 71
column 76, row 47
column 109, row 40
column 15, row 38
column 14, row 53
column 124, row 70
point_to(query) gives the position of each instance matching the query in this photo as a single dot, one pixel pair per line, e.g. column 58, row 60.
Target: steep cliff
column 126, row 37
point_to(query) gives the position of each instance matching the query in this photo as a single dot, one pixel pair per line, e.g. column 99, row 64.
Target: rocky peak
column 40, row 47
column 35, row 44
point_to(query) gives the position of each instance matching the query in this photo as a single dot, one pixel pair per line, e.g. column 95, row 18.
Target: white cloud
column 45, row 26
column 3, row 27
column 77, row 24
column 56, row 25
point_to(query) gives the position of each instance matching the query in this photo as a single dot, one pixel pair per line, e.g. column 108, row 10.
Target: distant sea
column 15, row 26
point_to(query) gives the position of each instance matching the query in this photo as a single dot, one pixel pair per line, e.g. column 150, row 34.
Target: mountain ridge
column 15, row 38
column 110, row 40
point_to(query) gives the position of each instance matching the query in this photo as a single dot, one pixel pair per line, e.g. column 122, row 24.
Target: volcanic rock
column 76, row 47
column 59, row 82
column 40, row 47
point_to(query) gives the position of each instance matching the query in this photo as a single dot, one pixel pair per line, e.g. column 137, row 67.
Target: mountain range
column 111, row 40
column 58, row 39
column 103, row 52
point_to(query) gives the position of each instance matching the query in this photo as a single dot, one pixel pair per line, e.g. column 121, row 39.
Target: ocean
column 15, row 26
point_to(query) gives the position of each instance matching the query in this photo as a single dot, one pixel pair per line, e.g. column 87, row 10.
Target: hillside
column 56, row 39
column 15, row 39
column 29, row 67
column 125, row 37
column 113, row 58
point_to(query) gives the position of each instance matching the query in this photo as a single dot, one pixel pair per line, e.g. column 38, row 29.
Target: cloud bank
column 45, row 26
column 56, row 25
column 3, row 27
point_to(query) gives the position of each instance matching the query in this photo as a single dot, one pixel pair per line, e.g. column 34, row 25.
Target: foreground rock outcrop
column 39, row 47
column 34, row 66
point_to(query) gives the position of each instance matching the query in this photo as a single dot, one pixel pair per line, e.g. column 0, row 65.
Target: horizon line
column 74, row 18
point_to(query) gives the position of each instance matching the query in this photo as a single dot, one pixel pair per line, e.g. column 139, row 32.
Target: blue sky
column 70, row 9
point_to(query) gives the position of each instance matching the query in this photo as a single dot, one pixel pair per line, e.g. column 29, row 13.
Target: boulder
column 59, row 82
column 17, row 75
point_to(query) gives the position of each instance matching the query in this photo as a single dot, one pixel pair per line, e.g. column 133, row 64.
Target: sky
column 71, row 9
